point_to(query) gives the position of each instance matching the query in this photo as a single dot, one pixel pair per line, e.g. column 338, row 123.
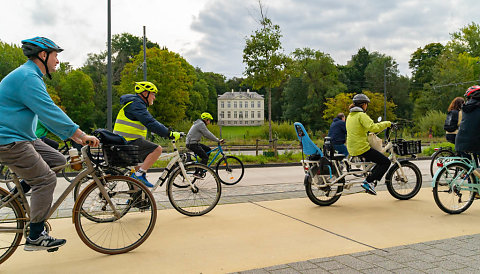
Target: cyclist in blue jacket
column 24, row 99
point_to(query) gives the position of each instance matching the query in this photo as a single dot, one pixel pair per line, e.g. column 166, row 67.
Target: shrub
column 433, row 119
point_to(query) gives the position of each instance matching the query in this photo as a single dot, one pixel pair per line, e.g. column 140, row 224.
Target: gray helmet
column 360, row 99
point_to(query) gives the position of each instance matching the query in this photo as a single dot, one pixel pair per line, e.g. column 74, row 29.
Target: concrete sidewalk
column 282, row 236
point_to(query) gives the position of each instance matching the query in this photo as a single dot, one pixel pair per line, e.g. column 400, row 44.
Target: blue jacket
column 23, row 100
column 137, row 111
column 337, row 132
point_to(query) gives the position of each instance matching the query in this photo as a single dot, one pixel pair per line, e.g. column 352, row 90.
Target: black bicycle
column 439, row 157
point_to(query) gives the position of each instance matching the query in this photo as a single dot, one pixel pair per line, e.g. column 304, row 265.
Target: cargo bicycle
column 327, row 174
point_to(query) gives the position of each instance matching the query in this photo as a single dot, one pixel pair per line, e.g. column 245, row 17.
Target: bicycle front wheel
column 435, row 158
column 12, row 222
column 230, row 170
column 404, row 183
column 201, row 195
column 450, row 191
column 106, row 232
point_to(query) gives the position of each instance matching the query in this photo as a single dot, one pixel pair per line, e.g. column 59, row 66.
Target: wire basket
column 121, row 155
column 403, row 147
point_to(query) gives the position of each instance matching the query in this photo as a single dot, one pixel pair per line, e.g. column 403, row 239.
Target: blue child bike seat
column 308, row 146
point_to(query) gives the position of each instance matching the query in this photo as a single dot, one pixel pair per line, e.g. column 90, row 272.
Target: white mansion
column 240, row 108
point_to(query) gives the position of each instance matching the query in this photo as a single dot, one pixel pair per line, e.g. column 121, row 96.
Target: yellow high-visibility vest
column 127, row 128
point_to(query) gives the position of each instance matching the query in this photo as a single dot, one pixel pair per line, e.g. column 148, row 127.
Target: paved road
column 266, row 225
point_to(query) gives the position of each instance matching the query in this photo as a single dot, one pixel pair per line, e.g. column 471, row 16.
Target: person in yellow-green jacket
column 358, row 126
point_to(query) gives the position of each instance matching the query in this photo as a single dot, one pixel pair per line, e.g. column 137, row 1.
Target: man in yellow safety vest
column 133, row 121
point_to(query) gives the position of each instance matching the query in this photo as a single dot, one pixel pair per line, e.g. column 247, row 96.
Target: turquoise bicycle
column 454, row 184
column 229, row 169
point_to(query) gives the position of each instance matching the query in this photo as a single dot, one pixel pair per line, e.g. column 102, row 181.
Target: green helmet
column 206, row 116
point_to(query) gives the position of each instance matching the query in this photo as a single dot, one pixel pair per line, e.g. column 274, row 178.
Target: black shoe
column 44, row 242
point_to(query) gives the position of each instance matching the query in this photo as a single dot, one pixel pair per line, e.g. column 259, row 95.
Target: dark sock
column 26, row 187
column 35, row 230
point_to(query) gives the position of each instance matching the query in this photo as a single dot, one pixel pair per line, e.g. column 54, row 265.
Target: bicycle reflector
column 440, row 164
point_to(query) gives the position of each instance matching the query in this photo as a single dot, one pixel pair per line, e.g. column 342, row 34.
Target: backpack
column 109, row 138
column 451, row 122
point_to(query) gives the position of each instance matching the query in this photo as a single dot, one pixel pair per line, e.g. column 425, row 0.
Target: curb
column 253, row 166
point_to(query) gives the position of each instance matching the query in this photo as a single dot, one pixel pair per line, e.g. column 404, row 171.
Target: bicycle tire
column 198, row 201
column 12, row 216
column 396, row 185
column 322, row 195
column 230, row 170
column 447, row 190
column 435, row 156
column 108, row 170
column 115, row 235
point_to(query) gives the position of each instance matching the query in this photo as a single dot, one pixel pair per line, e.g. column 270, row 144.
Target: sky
column 210, row 34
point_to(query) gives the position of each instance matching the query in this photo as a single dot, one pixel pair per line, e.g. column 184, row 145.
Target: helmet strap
column 44, row 62
column 145, row 97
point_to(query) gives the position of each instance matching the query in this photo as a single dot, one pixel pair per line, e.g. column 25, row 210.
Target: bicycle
column 454, row 184
column 440, row 154
column 229, row 169
column 112, row 215
column 326, row 175
column 188, row 194
column 67, row 175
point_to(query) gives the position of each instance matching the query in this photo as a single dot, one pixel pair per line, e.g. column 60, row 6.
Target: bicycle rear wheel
column 101, row 230
column 450, row 191
column 435, row 158
column 323, row 195
column 201, row 197
column 12, row 222
column 230, row 170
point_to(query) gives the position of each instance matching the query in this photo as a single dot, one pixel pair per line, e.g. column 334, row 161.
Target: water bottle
column 74, row 159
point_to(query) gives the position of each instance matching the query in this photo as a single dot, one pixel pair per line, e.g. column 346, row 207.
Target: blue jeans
column 342, row 149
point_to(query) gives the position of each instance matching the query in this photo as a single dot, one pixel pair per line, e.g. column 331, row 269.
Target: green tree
column 353, row 74
column 216, row 85
column 452, row 75
column 342, row 101
column 11, row 56
column 174, row 78
column 466, row 40
column 124, row 48
column 76, row 92
column 422, row 62
column 263, row 59
column 319, row 80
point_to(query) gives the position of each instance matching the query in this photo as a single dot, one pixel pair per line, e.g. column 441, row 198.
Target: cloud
column 339, row 28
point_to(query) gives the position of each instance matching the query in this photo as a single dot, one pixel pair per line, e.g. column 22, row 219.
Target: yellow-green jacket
column 358, row 126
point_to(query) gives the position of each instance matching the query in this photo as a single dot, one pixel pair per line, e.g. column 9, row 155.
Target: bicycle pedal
column 52, row 249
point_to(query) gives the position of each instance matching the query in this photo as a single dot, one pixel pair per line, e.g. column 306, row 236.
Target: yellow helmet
column 145, row 86
column 206, row 116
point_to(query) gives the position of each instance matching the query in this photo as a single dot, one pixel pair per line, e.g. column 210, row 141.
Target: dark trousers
column 201, row 151
column 451, row 137
column 381, row 161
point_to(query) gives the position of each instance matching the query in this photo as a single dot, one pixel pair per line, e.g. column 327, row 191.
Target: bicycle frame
column 90, row 170
column 176, row 159
column 471, row 163
column 219, row 151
